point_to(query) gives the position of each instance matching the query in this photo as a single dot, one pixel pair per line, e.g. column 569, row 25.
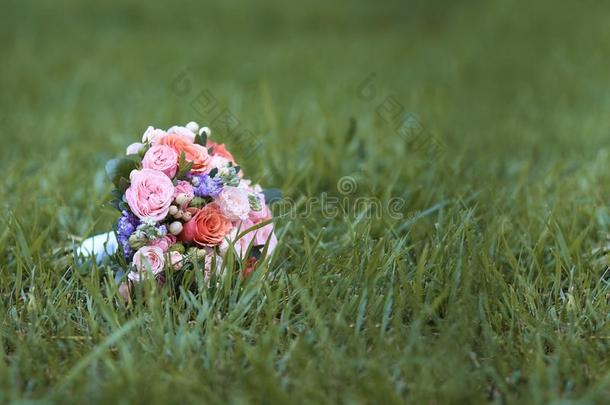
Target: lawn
column 445, row 168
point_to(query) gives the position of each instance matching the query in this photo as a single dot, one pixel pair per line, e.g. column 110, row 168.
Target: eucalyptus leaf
column 123, row 185
column 272, row 195
column 121, row 167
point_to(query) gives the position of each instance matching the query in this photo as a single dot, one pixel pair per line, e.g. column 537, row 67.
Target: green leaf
column 199, row 202
column 272, row 195
column 255, row 252
column 201, row 139
column 184, row 167
column 116, row 194
column 121, row 167
column 123, row 185
column 116, row 204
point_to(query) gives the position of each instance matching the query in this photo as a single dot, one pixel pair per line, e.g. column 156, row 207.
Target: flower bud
column 205, row 130
column 197, row 253
column 177, row 247
column 134, row 148
column 135, row 240
column 182, row 199
column 255, row 202
column 186, row 215
column 125, row 291
column 175, row 228
column 173, row 210
column 193, row 127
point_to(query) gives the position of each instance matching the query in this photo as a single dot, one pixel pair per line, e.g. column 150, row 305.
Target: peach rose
column 150, row 194
column 193, row 152
column 183, row 131
column 219, row 149
column 148, row 260
column 161, row 158
column 208, row 227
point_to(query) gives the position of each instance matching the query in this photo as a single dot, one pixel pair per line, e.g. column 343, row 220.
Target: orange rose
column 219, row 149
column 208, row 227
column 193, row 152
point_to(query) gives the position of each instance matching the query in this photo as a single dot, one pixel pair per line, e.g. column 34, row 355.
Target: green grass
column 486, row 290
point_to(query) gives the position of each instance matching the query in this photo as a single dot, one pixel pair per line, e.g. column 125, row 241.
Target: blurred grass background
column 493, row 295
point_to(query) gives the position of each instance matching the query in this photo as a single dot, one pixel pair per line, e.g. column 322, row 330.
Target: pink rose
column 265, row 234
column 184, row 187
column 218, row 162
column 150, row 194
column 259, row 237
column 125, row 290
column 161, row 158
column 213, row 264
column 240, row 246
column 176, row 259
column 152, row 135
column 134, row 148
column 264, row 213
column 148, row 260
column 234, row 203
column 164, row 242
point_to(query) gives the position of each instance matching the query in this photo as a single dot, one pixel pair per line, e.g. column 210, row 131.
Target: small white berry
column 182, row 199
column 193, row 127
column 178, row 214
column 173, row 210
column 206, row 130
column 187, row 216
column 175, row 228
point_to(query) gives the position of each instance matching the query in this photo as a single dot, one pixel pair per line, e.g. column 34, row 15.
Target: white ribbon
column 99, row 246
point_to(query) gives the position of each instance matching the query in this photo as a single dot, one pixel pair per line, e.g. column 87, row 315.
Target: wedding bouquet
column 184, row 205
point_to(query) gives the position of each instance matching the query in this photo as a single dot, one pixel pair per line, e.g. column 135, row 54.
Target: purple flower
column 126, row 225
column 206, row 186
